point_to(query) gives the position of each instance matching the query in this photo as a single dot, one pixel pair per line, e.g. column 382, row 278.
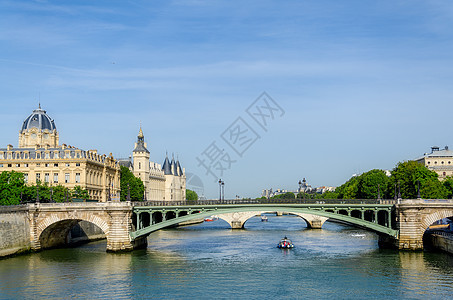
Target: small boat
column 211, row 218
column 263, row 218
column 285, row 243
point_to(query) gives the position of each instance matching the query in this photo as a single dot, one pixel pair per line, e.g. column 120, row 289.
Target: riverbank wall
column 441, row 241
column 14, row 230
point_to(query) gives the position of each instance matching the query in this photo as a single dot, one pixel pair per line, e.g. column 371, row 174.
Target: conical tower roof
column 167, row 166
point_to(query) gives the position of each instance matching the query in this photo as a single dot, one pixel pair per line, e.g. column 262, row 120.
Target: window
column 1, row 155
column 26, row 178
column 442, row 162
column 77, row 164
column 444, row 173
column 38, row 177
column 66, row 164
column 38, row 155
column 77, row 177
column 38, row 165
column 66, row 178
column 139, row 165
column 1, row 165
column 10, row 165
column 26, row 165
column 435, row 162
column 46, row 165
column 55, row 178
column 17, row 165
column 55, row 165
column 47, row 155
column 46, row 177
column 56, row 156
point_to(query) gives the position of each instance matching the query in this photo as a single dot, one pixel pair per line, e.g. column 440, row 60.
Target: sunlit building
column 42, row 159
column 162, row 182
column 439, row 160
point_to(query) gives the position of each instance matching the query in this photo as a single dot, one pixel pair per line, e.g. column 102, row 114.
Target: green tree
column 79, row 193
column 407, row 173
column 287, row 195
column 349, row 189
column 132, row 183
column 448, row 184
column 329, row 195
column 11, row 187
column 191, row 195
column 368, row 184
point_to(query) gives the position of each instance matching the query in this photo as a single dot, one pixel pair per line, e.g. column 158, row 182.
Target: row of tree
column 407, row 179
column 14, row 191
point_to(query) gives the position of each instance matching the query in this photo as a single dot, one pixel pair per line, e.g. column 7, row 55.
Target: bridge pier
column 120, row 225
column 313, row 222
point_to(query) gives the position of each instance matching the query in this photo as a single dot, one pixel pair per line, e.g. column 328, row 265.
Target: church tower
column 141, row 160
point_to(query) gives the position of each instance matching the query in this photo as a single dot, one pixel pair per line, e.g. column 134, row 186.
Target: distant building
column 167, row 182
column 303, row 188
column 41, row 159
column 439, row 160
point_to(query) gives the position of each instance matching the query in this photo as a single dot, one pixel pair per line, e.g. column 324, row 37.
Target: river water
column 210, row 260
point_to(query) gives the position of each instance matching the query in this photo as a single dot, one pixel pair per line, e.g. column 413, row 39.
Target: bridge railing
column 263, row 201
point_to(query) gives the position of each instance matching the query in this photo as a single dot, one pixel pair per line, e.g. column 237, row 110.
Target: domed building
column 38, row 129
column 42, row 159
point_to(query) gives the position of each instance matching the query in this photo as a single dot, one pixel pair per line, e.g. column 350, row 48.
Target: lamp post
column 378, row 192
column 220, row 189
column 399, row 190
column 223, row 190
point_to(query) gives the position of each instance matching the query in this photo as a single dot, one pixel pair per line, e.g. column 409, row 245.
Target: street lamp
column 223, row 190
column 221, row 187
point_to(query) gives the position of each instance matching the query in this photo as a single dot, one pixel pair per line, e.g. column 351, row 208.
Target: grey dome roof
column 39, row 119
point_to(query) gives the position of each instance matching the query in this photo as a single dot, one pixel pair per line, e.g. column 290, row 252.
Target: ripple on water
column 210, row 260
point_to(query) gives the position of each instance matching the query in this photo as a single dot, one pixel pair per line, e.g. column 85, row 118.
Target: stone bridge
column 50, row 223
column 126, row 225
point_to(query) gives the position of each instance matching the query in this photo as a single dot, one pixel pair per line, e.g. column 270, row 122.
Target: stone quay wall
column 14, row 230
column 442, row 241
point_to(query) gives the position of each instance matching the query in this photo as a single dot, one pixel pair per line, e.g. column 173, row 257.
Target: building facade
column 439, row 161
column 162, row 182
column 40, row 157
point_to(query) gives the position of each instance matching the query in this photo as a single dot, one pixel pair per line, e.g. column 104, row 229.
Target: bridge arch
column 433, row 217
column 52, row 231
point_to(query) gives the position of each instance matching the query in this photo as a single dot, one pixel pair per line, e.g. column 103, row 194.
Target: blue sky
column 364, row 84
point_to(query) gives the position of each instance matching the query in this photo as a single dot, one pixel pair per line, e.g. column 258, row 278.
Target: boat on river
column 263, row 218
column 211, row 218
column 285, row 243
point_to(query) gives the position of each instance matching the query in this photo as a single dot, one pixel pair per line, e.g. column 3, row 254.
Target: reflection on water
column 211, row 260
